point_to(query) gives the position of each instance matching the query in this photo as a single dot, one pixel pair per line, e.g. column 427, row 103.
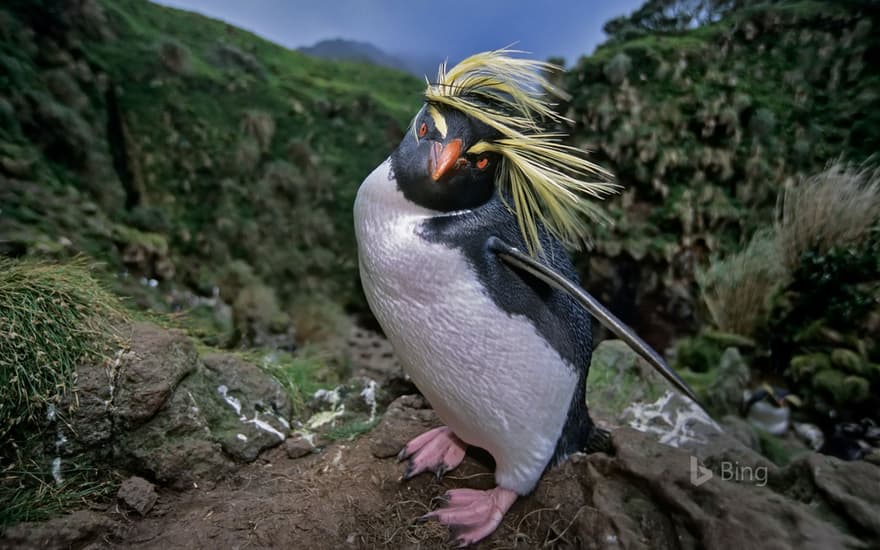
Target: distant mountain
column 341, row 49
column 351, row 50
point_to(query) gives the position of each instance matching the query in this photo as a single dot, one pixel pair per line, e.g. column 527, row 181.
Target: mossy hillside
column 131, row 119
column 704, row 126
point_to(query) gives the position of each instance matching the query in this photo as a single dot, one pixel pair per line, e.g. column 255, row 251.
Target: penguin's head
column 489, row 124
column 440, row 164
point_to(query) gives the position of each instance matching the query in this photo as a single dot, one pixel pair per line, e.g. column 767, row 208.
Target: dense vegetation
column 705, row 126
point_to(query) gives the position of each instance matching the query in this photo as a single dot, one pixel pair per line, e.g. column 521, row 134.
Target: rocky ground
column 216, row 462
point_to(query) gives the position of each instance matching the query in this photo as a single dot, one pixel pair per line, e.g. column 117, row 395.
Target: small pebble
column 297, row 446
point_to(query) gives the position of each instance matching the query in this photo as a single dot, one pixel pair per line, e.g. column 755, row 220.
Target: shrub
column 230, row 57
column 281, row 180
column 175, row 57
column 260, row 126
column 763, row 123
column 65, row 135
column 806, row 290
column 246, row 156
column 617, row 68
column 737, row 290
column 65, row 89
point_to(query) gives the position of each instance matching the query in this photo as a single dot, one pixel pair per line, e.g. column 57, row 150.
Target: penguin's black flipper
column 517, row 259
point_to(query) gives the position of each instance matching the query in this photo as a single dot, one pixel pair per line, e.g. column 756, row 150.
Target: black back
column 556, row 316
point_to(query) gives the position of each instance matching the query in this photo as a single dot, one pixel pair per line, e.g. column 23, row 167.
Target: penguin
column 769, row 408
column 462, row 236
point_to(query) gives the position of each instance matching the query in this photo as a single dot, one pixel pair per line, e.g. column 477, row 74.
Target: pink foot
column 473, row 515
column 437, row 450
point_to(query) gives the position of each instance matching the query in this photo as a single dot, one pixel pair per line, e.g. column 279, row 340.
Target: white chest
column 489, row 375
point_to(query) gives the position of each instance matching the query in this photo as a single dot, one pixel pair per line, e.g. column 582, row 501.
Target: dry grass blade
column 836, row 207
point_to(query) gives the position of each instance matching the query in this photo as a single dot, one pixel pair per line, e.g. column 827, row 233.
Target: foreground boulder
column 649, row 495
column 162, row 411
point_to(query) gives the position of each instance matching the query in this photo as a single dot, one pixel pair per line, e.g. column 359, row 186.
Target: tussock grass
column 737, row 289
column 53, row 317
column 836, row 207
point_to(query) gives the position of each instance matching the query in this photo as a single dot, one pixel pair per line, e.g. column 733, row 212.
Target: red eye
column 423, row 129
column 483, row 163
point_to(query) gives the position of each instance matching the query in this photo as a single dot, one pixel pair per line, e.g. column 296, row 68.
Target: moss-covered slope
column 169, row 144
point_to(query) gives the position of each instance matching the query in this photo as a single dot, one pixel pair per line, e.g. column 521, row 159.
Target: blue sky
column 452, row 28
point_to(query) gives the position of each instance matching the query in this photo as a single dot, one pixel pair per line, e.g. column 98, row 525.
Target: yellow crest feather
column 545, row 178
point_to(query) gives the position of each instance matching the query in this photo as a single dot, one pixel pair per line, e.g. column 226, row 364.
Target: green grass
column 53, row 317
column 301, row 373
column 29, row 492
column 353, row 430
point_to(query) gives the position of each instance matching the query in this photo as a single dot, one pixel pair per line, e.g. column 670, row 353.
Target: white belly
column 488, row 374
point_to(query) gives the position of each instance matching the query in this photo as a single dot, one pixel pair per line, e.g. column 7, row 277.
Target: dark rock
column 742, row 431
column 406, row 417
column 160, row 412
column 61, row 533
column 150, row 370
column 644, row 496
column 624, row 390
column 850, row 490
column 256, row 408
column 138, row 494
column 618, row 378
column 182, row 462
column 725, row 393
column 298, row 446
column 176, row 447
column 91, row 419
column 227, row 409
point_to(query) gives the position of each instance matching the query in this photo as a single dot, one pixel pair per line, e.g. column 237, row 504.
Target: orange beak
column 444, row 157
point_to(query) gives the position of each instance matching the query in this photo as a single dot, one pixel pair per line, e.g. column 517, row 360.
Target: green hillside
column 168, row 145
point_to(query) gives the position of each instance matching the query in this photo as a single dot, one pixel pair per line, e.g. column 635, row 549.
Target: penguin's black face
column 434, row 169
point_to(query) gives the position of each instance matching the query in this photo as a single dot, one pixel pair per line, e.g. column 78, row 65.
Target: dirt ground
column 349, row 495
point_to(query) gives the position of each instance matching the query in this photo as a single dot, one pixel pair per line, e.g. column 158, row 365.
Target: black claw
column 422, row 519
column 407, row 473
column 455, row 538
column 441, row 471
column 401, row 456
